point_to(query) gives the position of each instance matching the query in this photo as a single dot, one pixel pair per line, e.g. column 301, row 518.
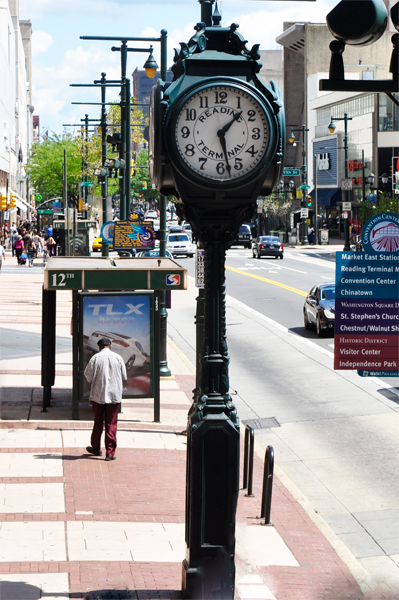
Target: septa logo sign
column 172, row 279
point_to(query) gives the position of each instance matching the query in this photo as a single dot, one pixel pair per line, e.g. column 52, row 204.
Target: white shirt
column 106, row 372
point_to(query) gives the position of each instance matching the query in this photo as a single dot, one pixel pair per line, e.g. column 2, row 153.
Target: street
column 336, row 446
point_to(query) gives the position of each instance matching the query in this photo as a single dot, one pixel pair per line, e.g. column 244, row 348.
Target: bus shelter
column 119, row 298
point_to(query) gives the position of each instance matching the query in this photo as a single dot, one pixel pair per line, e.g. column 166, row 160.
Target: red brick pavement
column 148, row 485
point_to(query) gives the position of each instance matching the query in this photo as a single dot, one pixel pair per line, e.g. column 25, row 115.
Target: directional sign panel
column 367, row 311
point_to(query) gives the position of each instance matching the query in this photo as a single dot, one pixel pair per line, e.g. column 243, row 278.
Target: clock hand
column 222, row 139
column 226, row 127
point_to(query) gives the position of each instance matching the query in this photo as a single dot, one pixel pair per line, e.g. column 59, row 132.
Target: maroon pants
column 105, row 414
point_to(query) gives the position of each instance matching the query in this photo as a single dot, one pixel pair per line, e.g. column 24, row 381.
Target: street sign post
column 346, row 205
column 346, row 184
column 304, row 213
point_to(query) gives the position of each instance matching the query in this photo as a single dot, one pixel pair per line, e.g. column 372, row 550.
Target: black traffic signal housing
column 114, row 140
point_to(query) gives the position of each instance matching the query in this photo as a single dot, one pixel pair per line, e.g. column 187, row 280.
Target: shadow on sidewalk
column 137, row 594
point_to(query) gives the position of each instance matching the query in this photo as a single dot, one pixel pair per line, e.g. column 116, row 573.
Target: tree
column 279, row 209
column 45, row 167
column 385, row 204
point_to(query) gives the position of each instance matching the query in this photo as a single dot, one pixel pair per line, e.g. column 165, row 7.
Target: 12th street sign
column 291, row 172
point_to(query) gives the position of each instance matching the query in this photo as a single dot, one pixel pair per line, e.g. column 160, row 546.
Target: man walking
column 105, row 372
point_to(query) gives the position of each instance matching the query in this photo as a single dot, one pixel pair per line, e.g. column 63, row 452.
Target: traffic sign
column 87, row 184
column 346, row 205
column 346, row 184
column 38, row 198
column 345, row 215
column 291, row 172
column 304, row 213
column 45, row 212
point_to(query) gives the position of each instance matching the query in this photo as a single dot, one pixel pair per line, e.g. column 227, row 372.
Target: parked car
column 187, row 229
column 244, row 236
column 152, row 254
column 98, row 244
column 128, row 348
column 267, row 245
column 151, row 214
column 179, row 244
column 319, row 308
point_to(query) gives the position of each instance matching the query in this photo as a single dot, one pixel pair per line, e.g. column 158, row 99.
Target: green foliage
column 45, row 165
column 386, row 203
column 142, row 175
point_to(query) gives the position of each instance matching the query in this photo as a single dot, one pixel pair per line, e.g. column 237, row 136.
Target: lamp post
column 331, row 129
column 304, row 180
column 150, row 67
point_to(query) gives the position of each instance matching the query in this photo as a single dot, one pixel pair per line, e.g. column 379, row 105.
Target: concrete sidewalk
column 75, row 526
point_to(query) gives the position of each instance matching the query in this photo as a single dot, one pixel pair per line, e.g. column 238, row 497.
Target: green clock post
column 216, row 142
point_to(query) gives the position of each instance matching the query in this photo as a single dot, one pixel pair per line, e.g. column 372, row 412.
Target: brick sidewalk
column 75, row 526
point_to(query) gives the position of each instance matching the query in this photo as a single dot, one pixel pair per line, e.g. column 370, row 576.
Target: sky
column 60, row 57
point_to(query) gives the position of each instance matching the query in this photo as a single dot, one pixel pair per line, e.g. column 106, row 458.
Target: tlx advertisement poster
column 125, row 319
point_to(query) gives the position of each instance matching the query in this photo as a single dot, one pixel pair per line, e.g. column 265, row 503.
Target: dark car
column 153, row 254
column 267, row 245
column 319, row 308
column 244, row 236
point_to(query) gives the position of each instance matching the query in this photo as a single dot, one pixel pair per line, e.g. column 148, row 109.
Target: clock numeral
column 189, row 150
column 251, row 150
column 255, row 133
column 238, row 102
column 251, row 115
column 191, row 114
column 204, row 102
column 220, row 168
column 202, row 161
column 238, row 164
column 185, row 132
column 220, row 97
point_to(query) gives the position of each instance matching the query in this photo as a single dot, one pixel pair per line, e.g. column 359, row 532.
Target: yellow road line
column 282, row 285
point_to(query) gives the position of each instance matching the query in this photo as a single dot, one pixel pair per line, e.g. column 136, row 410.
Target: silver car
column 128, row 348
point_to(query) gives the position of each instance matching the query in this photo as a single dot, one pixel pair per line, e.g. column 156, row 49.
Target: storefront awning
column 327, row 197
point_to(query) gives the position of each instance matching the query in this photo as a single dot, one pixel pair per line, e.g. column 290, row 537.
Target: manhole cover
column 265, row 423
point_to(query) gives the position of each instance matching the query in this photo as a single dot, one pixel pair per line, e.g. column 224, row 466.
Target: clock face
column 222, row 133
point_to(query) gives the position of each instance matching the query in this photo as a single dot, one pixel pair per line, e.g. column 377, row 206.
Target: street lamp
column 304, row 176
column 150, row 65
column 331, row 129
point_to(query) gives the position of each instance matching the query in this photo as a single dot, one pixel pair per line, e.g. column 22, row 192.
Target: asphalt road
column 336, row 445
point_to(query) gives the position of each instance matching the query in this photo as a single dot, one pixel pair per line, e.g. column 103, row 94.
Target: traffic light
column 80, row 204
column 3, row 202
column 132, row 172
column 115, row 140
column 12, row 200
column 144, row 186
column 309, row 200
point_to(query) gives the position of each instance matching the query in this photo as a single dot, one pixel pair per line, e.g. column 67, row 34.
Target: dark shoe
column 92, row 451
column 110, row 457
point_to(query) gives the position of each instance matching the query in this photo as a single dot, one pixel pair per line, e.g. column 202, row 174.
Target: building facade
column 16, row 123
column 372, row 119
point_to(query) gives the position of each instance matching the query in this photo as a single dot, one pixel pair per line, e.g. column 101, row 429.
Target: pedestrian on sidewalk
column 19, row 247
column 106, row 373
column 31, row 251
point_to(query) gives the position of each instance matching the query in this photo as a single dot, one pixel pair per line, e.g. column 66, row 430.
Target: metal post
column 316, row 199
column 123, row 144
column 347, row 246
column 212, row 438
column 104, row 179
column 249, row 447
column 267, row 487
column 75, row 355
column 126, row 171
column 65, row 201
column 156, row 374
column 305, row 241
column 164, row 369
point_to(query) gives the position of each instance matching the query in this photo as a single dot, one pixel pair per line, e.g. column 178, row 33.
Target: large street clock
column 220, row 133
